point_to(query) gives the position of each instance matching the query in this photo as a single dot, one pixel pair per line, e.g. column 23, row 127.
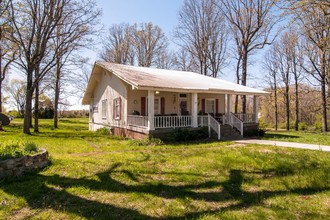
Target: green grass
column 94, row 176
column 309, row 137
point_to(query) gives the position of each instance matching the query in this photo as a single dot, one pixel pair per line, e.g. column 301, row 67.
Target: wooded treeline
column 43, row 39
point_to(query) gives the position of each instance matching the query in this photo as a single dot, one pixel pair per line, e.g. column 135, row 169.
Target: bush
column 184, row 135
column 103, row 131
column 318, row 125
column 302, row 126
column 14, row 149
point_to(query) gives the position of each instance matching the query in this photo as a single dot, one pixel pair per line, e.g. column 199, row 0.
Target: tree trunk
column 324, row 93
column 27, row 111
column 0, row 91
column 275, row 100
column 57, row 96
column 296, row 126
column 287, row 106
column 36, row 110
column 237, row 81
column 244, row 73
column 1, row 73
column 324, row 106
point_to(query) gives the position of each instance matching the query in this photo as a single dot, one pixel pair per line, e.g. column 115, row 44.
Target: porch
column 237, row 121
column 154, row 110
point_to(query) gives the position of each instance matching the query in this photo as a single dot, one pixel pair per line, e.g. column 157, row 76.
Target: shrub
column 13, row 149
column 302, row 126
column 184, row 135
column 103, row 131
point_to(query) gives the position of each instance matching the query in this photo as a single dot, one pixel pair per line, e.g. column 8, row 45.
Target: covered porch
column 153, row 110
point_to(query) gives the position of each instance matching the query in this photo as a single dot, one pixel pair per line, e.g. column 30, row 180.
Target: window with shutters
column 104, row 109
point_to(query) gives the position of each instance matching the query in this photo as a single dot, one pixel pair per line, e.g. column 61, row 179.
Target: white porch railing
column 234, row 121
column 215, row 125
column 202, row 120
column 137, row 120
column 172, row 121
column 246, row 118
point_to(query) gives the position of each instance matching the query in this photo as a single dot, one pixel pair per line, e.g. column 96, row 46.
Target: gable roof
column 165, row 80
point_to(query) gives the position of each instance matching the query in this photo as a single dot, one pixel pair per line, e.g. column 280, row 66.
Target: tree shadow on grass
column 53, row 192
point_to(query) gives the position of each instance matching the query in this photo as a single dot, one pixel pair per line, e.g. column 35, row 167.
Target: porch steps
column 229, row 133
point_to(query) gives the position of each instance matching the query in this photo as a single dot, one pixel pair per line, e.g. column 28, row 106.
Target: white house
column 139, row 101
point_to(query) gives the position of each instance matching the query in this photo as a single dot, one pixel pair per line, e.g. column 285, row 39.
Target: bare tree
column 17, row 91
column 270, row 65
column 34, row 22
column 252, row 22
column 202, row 33
column 185, row 62
column 7, row 49
column 73, row 33
column 166, row 60
column 118, row 45
column 149, row 41
column 314, row 18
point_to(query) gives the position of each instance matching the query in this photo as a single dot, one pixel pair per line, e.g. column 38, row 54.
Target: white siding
column 109, row 87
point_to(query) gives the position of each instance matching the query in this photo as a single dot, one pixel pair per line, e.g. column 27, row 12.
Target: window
column 117, row 108
column 104, row 109
column 96, row 107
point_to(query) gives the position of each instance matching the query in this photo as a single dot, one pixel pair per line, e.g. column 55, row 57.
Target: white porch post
column 229, row 104
column 151, row 109
column 255, row 108
column 194, row 103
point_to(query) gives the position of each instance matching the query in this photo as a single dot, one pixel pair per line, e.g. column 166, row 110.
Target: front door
column 157, row 106
column 210, row 106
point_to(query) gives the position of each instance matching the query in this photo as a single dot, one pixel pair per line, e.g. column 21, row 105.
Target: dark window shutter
column 162, row 105
column 203, row 105
column 217, row 106
column 143, row 106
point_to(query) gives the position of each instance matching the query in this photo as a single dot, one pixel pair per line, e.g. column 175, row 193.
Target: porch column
column 255, row 108
column 229, row 104
column 194, row 103
column 151, row 109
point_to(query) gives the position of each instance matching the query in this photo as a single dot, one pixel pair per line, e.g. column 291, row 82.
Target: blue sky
column 163, row 13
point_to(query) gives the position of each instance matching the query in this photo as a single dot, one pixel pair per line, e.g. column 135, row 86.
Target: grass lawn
column 101, row 177
column 310, row 137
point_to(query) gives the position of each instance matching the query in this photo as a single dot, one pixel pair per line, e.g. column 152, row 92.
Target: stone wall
column 18, row 166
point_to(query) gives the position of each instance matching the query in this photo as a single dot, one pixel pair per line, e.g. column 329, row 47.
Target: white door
column 210, row 106
column 157, row 106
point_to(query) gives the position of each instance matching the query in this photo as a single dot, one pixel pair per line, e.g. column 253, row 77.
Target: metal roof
column 166, row 80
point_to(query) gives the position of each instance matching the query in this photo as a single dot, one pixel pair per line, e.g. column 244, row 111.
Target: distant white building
column 139, row 101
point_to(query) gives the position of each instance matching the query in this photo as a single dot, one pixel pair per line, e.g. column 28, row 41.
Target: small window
column 183, row 95
column 96, row 107
column 104, row 109
column 117, row 108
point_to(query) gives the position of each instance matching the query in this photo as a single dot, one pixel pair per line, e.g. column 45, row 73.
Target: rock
column 4, row 119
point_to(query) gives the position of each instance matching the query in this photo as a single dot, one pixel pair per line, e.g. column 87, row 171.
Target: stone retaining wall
column 18, row 166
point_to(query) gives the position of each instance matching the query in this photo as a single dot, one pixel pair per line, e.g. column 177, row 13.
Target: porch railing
column 215, row 125
column 246, row 118
column 172, row 121
column 137, row 120
column 234, row 121
column 202, row 120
